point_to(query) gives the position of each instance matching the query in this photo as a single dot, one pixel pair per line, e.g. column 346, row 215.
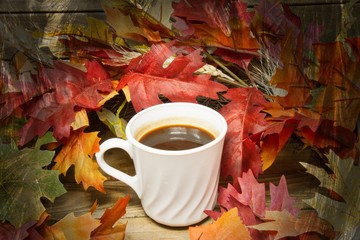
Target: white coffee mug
column 174, row 186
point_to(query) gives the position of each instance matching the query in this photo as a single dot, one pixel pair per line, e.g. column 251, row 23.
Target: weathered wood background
column 30, row 14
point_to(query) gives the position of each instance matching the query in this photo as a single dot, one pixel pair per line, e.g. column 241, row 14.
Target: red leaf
column 280, row 198
column 215, row 23
column 72, row 88
column 244, row 119
column 250, row 199
column 147, row 78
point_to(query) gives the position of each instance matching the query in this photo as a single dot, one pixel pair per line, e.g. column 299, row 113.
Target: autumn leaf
column 244, row 118
column 108, row 228
column 19, row 84
column 208, row 23
column 277, row 29
column 308, row 126
column 147, row 78
column 286, row 224
column 71, row 227
column 250, row 200
column 84, row 226
column 24, row 181
column 113, row 121
column 130, row 22
column 339, row 97
column 344, row 181
column 78, row 150
column 71, row 88
column 9, row 232
column 229, row 226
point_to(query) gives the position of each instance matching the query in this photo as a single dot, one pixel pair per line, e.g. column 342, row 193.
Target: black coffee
column 176, row 137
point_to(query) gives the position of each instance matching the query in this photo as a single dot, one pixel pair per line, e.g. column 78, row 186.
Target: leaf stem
column 241, row 82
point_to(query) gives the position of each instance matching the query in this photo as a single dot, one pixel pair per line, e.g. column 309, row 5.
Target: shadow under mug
column 174, row 186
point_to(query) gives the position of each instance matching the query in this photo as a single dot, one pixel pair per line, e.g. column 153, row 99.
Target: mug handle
column 132, row 181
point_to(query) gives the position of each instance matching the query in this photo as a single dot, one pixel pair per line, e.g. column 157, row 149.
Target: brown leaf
column 287, row 225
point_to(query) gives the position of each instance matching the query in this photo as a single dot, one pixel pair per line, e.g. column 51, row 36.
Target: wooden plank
column 95, row 5
column 329, row 14
column 15, row 6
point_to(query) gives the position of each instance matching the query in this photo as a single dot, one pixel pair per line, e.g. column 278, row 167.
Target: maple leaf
column 19, row 84
column 84, row 226
column 308, row 125
column 287, row 225
column 250, row 199
column 344, row 181
column 71, row 88
column 277, row 28
column 83, row 41
column 244, row 118
column 130, row 22
column 228, row 226
column 108, row 229
column 78, row 150
column 339, row 97
column 147, row 78
column 71, row 227
column 24, row 181
column 9, row 232
column 210, row 24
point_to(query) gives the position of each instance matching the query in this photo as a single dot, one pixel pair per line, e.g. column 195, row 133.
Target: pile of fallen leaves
column 271, row 80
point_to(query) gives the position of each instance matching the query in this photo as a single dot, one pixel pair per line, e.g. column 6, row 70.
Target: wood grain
column 300, row 184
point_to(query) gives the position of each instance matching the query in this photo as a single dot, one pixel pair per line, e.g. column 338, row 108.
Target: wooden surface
column 139, row 226
column 31, row 14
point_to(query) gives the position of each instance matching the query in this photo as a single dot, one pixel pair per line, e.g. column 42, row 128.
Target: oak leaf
column 250, row 200
column 24, row 181
column 244, row 117
column 344, row 181
column 78, row 150
column 19, row 84
column 147, row 78
column 72, row 88
column 229, row 226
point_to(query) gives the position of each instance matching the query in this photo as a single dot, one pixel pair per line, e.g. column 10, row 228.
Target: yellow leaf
column 79, row 150
column 228, row 227
column 71, row 227
column 81, row 120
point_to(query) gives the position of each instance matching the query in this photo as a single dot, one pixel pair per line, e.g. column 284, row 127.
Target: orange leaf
column 228, row 227
column 107, row 230
column 79, row 150
column 71, row 227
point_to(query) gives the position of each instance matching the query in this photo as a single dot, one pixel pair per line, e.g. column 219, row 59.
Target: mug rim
column 146, row 148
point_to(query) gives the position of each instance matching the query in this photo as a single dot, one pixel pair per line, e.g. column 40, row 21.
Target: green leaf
column 115, row 124
column 23, row 181
column 344, row 181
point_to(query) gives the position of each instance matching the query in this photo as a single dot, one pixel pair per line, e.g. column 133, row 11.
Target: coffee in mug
column 176, row 149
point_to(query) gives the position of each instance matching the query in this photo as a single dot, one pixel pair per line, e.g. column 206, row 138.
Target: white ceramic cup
column 174, row 186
